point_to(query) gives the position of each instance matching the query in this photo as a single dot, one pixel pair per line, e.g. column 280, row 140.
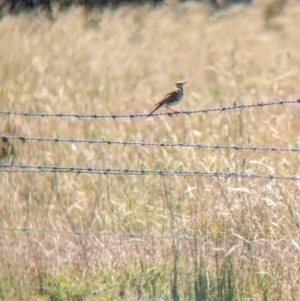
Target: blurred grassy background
column 123, row 60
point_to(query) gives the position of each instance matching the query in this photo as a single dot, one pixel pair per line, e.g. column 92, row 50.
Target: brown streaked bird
column 172, row 98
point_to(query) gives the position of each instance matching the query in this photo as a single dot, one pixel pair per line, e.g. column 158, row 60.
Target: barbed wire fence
column 128, row 171
column 33, row 168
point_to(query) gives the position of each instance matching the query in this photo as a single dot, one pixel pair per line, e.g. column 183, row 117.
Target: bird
column 172, row 98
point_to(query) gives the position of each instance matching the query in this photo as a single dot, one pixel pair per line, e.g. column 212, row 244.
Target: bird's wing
column 169, row 95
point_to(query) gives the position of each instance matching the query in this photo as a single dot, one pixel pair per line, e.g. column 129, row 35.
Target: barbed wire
column 239, row 239
column 126, row 235
column 126, row 171
column 144, row 143
column 131, row 115
column 99, row 234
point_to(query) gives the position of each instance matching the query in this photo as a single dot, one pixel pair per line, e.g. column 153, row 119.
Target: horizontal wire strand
column 152, row 236
column 139, row 172
column 130, row 115
column 200, row 145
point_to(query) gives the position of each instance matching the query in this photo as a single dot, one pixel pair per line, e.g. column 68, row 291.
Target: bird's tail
column 156, row 108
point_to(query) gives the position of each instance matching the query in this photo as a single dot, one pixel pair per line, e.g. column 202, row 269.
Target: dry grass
column 123, row 61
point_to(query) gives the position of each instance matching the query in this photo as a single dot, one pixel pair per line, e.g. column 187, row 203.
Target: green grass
column 150, row 237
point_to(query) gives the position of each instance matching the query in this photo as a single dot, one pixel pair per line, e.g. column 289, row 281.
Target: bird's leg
column 168, row 111
column 173, row 112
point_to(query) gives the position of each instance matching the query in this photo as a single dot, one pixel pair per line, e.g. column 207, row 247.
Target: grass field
column 163, row 237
